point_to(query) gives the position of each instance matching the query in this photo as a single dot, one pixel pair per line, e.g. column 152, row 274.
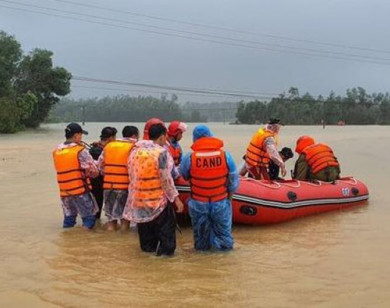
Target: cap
column 275, row 121
column 74, row 128
column 201, row 130
column 108, row 132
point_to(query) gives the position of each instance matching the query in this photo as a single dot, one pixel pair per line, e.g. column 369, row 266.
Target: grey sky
column 105, row 52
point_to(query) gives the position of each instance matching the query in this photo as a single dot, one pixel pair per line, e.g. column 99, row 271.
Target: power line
column 202, row 34
column 311, row 50
column 357, row 58
column 224, row 28
column 149, row 92
column 173, row 88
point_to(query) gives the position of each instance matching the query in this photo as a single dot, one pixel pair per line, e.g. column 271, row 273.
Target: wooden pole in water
column 83, row 115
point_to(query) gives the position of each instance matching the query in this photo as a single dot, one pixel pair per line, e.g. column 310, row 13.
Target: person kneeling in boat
column 74, row 166
column 113, row 166
column 273, row 169
column 175, row 132
column 261, row 150
column 316, row 161
column 213, row 179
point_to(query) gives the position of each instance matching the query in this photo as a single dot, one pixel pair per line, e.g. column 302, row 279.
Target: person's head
column 303, row 142
column 108, row 134
column 158, row 133
column 274, row 125
column 176, row 130
column 130, row 132
column 74, row 132
column 286, row 153
column 148, row 124
column 200, row 131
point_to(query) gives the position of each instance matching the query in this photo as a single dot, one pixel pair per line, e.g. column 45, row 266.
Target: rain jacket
column 211, row 220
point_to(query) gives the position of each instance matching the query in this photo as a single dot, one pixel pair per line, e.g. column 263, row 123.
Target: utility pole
column 83, row 115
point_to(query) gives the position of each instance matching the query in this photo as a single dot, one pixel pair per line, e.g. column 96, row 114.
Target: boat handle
column 292, row 186
column 352, row 179
column 316, row 183
column 269, row 186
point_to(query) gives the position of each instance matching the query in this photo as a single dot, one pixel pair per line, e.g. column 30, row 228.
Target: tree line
column 29, row 85
column 122, row 108
column 357, row 107
column 125, row 108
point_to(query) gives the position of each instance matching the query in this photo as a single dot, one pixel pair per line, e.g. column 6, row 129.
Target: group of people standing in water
column 134, row 180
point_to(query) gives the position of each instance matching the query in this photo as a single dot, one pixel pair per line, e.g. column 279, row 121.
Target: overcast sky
column 262, row 63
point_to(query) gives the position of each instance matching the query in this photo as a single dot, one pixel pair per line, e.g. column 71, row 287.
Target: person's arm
column 185, row 166
column 233, row 179
column 165, row 165
column 301, row 169
column 274, row 154
column 100, row 163
column 88, row 164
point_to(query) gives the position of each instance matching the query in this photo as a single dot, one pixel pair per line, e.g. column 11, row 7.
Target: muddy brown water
column 337, row 259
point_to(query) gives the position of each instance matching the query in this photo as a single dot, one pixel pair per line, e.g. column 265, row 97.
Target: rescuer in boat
column 261, row 150
column 112, row 165
column 273, row 169
column 213, row 179
column 107, row 134
column 316, row 161
column 74, row 166
column 175, row 133
column 152, row 193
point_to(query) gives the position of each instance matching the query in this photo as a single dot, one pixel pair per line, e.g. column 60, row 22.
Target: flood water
column 337, row 259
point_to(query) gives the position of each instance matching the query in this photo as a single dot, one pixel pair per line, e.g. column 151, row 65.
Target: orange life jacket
column 209, row 170
column 175, row 152
column 70, row 177
column 116, row 154
column 319, row 156
column 146, row 184
column 256, row 153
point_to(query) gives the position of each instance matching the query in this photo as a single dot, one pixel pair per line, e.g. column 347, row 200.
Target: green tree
column 37, row 75
column 13, row 110
column 10, row 56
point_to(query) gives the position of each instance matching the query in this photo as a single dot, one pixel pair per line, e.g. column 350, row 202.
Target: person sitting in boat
column 175, row 132
column 261, row 150
column 316, row 161
column 273, row 169
column 213, row 179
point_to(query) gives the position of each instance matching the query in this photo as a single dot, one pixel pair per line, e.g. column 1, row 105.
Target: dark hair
column 129, row 131
column 157, row 130
column 287, row 153
column 108, row 132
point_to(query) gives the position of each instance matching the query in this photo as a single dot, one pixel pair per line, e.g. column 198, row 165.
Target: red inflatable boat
column 266, row 202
